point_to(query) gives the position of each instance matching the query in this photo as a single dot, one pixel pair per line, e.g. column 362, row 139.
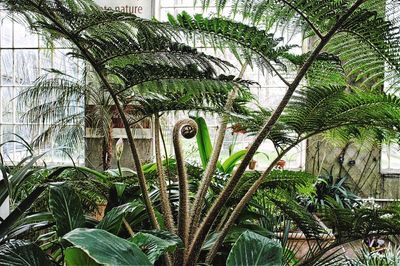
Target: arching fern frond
column 329, row 107
column 319, row 14
column 66, row 133
column 368, row 45
column 206, row 96
column 319, row 109
column 297, row 213
column 247, row 43
column 55, row 105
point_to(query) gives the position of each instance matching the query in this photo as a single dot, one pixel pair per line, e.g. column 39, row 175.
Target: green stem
column 119, row 168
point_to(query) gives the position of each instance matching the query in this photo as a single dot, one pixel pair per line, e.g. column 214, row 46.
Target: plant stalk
column 183, row 215
column 239, row 207
column 212, row 163
column 164, row 198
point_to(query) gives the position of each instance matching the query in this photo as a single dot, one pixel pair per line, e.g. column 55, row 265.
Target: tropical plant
column 328, row 189
column 253, row 249
column 140, row 62
column 387, row 256
column 205, row 148
column 65, row 219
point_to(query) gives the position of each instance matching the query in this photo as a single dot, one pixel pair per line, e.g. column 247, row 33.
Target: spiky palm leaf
column 56, row 103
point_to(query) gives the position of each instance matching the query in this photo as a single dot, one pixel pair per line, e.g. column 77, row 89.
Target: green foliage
column 248, row 44
column 142, row 62
column 16, row 214
column 387, row 257
column 156, row 244
column 57, row 98
column 254, row 249
column 27, row 254
column 229, row 164
column 203, row 141
column 66, row 208
column 112, row 221
column 76, row 257
column 14, row 177
column 105, row 248
column 360, row 223
column 327, row 187
column 205, row 149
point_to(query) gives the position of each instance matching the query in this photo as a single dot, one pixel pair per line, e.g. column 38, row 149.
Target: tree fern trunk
column 166, row 208
column 225, row 194
column 212, row 164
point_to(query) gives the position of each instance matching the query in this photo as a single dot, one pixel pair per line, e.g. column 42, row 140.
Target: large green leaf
column 76, row 257
column 232, row 160
column 95, row 173
column 112, row 221
column 19, row 253
column 253, row 249
column 66, row 208
column 105, row 248
column 203, row 141
column 156, row 243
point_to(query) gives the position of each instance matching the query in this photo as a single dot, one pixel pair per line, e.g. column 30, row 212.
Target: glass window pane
column 21, row 64
column 7, row 67
column 27, row 69
column 8, row 148
column 6, row 31
column 7, row 96
column 24, row 38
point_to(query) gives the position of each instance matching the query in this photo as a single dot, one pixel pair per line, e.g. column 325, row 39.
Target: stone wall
column 143, row 141
column 359, row 161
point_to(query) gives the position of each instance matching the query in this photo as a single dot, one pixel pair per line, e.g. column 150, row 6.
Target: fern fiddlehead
column 188, row 129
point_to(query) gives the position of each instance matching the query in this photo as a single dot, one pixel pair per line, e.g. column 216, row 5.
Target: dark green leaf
column 253, row 249
column 105, row 248
column 76, row 257
column 66, row 208
column 18, row 253
column 112, row 221
column 155, row 246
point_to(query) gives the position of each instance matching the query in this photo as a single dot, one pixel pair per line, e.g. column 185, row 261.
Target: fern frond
column 247, row 43
column 314, row 109
column 297, row 213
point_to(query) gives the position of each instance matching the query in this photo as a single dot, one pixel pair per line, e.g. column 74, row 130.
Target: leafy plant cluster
column 146, row 68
